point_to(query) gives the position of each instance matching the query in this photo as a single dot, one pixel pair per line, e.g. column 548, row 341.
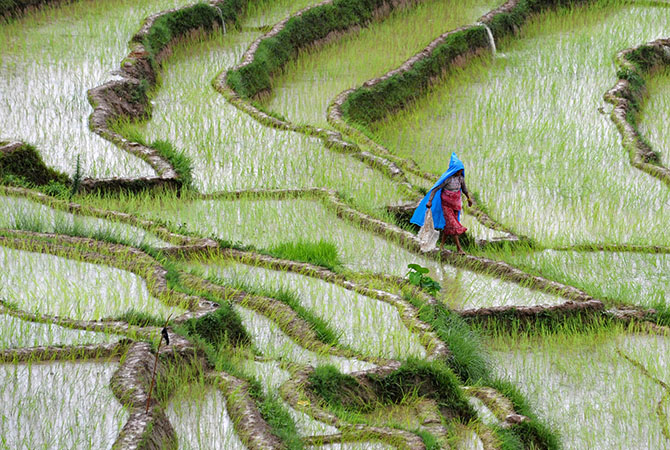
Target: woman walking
column 444, row 201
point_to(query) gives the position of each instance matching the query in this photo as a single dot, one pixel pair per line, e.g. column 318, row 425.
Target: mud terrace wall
column 633, row 65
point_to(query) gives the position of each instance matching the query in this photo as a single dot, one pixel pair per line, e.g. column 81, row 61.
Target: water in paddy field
column 48, row 60
column 544, row 159
column 24, row 214
column 199, row 416
column 364, row 324
column 594, row 396
column 15, row 333
column 59, row 405
column 642, row 279
column 49, row 284
column 654, row 115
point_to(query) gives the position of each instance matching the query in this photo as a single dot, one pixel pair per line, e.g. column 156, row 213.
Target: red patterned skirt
column 451, row 204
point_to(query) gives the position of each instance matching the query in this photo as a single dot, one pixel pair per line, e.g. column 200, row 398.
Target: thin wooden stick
column 164, row 334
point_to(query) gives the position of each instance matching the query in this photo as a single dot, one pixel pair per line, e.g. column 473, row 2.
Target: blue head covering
column 419, row 216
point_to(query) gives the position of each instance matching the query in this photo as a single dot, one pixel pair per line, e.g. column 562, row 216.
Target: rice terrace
column 220, row 224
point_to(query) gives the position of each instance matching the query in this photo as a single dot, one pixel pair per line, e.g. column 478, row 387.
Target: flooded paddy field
column 82, row 411
column 589, row 389
column 48, row 284
column 24, row 214
column 654, row 113
column 273, row 295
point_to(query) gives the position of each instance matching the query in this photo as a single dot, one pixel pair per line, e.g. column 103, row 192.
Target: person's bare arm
column 464, row 188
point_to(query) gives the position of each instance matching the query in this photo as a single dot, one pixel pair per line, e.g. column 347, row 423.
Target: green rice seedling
column 320, row 326
column 366, row 325
column 15, row 333
column 654, row 110
column 585, row 374
column 308, row 84
column 59, row 405
column 274, row 344
column 355, row 446
column 229, row 149
column 620, row 278
column 24, row 214
column 49, row 284
column 268, row 12
column 140, row 318
column 66, row 50
column 544, row 160
column 322, row 253
column 199, row 415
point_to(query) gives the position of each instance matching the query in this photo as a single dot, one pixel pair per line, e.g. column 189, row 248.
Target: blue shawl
column 436, row 207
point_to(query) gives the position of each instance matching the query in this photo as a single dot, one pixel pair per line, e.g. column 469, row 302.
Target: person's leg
column 458, row 245
column 443, row 237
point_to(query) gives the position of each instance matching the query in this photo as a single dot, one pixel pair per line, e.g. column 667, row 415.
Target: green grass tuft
column 222, row 326
column 140, row 319
column 322, row 253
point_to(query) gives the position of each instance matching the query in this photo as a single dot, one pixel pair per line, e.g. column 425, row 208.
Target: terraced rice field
column 232, row 265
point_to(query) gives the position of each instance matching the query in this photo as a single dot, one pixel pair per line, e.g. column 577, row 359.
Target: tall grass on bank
column 544, row 160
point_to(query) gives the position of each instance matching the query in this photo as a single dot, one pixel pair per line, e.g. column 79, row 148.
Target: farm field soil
column 309, row 83
column 15, row 333
column 631, row 278
column 544, row 160
column 229, row 149
column 49, row 284
column 594, row 396
column 364, row 324
column 200, row 419
column 654, row 116
column 82, row 411
column 48, row 60
column 24, row 214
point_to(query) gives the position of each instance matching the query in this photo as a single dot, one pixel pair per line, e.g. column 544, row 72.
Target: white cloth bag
column 428, row 235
